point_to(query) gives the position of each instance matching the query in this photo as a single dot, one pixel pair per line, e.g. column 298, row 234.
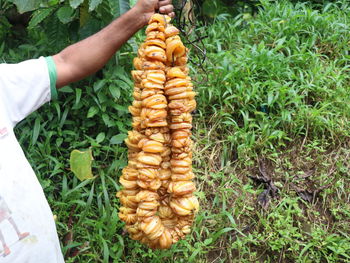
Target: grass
column 271, row 151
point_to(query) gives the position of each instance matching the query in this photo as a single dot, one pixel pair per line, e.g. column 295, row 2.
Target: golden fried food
column 158, row 204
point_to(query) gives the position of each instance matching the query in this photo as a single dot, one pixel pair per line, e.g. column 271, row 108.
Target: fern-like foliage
column 39, row 15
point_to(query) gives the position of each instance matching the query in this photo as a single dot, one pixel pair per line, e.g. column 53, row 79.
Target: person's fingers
column 166, row 9
column 164, row 3
column 172, row 14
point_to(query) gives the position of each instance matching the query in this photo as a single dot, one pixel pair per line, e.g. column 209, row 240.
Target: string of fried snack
column 158, row 202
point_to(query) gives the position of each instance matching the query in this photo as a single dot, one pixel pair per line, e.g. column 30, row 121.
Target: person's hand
column 146, row 8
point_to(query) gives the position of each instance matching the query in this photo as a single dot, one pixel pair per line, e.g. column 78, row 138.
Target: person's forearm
column 89, row 55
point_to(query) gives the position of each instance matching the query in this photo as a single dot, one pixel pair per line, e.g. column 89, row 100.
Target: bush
column 274, row 91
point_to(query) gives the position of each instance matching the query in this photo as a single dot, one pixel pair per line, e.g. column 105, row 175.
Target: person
column 26, row 86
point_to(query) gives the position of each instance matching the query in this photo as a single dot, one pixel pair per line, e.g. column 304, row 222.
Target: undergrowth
column 271, row 144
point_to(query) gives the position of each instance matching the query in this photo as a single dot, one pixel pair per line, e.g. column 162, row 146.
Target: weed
column 275, row 90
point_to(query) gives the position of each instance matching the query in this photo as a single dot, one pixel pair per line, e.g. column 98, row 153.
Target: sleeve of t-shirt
column 26, row 86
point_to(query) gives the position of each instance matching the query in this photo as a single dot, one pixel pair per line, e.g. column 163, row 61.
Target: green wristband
column 53, row 77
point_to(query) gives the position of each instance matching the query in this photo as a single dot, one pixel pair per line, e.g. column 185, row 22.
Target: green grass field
column 271, row 145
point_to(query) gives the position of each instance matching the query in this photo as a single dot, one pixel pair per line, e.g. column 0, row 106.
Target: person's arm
column 91, row 54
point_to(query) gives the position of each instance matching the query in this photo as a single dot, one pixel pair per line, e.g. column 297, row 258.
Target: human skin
column 89, row 55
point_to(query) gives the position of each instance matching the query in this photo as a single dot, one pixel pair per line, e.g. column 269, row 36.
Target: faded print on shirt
column 10, row 232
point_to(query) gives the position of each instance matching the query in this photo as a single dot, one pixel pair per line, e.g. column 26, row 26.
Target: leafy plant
column 274, row 90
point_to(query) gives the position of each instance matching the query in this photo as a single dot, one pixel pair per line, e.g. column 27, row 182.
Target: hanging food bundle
column 158, row 205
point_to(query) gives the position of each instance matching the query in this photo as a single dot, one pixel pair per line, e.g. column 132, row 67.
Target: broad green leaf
column 26, row 5
column 121, row 109
column 118, row 139
column 92, row 112
column 123, row 85
column 80, row 164
column 99, row 84
column 93, row 4
column 53, row 2
column 39, row 15
column 102, row 97
column 65, row 14
column 107, row 120
column 75, row 3
column 100, row 137
column 115, row 91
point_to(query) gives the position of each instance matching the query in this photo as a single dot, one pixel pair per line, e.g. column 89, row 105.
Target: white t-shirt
column 27, row 228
